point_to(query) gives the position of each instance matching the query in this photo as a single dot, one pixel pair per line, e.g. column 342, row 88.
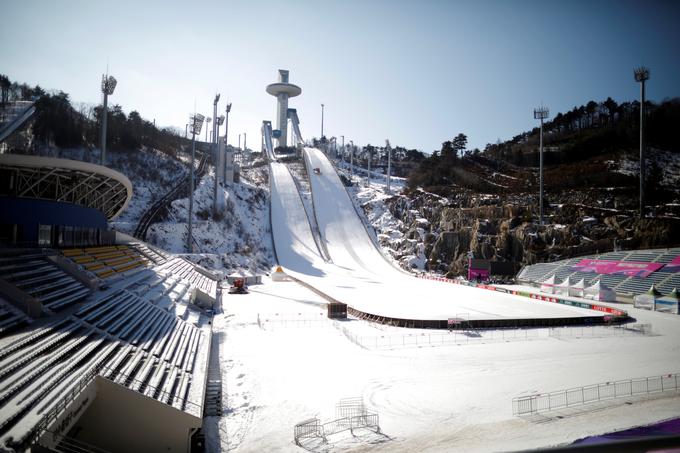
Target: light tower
column 108, row 85
column 196, row 122
column 641, row 75
column 541, row 113
column 282, row 90
column 226, row 139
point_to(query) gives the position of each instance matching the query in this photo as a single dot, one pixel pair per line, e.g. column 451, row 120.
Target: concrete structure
column 282, row 90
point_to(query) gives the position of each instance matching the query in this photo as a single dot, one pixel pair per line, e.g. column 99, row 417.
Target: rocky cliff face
column 423, row 231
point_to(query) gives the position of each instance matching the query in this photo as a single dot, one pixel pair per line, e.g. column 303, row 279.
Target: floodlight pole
column 207, row 125
column 342, row 153
column 389, row 163
column 322, row 123
column 226, row 140
column 351, row 159
column 215, row 133
column 368, row 179
column 108, row 86
column 191, row 189
column 641, row 75
column 196, row 124
column 541, row 113
column 245, row 147
column 239, row 141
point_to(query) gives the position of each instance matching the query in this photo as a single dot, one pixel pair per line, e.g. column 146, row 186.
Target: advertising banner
column 674, row 265
column 629, row 268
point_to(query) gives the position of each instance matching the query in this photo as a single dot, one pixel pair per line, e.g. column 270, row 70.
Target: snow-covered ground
column 238, row 240
column 446, row 398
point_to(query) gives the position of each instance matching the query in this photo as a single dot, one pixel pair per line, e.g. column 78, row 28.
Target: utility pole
column 368, row 179
column 108, row 86
column 389, row 163
column 541, row 113
column 351, row 159
column 642, row 75
column 322, row 123
column 226, row 140
column 342, row 153
column 245, row 146
column 196, row 124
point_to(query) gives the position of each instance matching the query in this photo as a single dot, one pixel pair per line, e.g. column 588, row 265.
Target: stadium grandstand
column 104, row 340
column 626, row 273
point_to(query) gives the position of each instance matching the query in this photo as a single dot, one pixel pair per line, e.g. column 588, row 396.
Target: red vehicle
column 317, row 171
column 239, row 287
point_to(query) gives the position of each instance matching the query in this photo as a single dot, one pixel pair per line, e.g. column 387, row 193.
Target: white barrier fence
column 532, row 404
column 477, row 336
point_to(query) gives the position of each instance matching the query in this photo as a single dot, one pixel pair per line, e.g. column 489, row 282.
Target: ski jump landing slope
column 360, row 276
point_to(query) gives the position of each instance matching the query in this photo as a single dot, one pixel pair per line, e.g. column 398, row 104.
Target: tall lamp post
column 321, row 138
column 214, row 147
column 342, row 153
column 389, row 164
column 196, row 123
column 351, row 160
column 226, row 140
column 642, row 75
column 207, row 125
column 108, row 86
column 541, row 113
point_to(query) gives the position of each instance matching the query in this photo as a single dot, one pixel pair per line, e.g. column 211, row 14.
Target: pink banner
column 630, row 268
column 674, row 265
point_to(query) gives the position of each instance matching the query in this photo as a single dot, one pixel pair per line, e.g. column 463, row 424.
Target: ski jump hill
column 358, row 275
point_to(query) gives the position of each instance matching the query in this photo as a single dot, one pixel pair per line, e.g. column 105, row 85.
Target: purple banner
column 630, row 268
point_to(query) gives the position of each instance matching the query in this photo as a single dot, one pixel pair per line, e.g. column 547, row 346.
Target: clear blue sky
column 416, row 72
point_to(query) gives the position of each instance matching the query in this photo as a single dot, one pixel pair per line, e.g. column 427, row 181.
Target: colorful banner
column 629, row 268
column 674, row 265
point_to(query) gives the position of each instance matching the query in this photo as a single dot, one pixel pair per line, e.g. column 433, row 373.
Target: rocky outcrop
column 444, row 230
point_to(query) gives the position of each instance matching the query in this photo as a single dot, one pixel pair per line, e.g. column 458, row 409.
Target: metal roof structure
column 65, row 180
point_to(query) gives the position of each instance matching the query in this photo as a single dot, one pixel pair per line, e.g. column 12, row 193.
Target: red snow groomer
column 238, row 287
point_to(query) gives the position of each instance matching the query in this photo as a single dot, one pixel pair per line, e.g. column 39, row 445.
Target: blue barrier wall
column 29, row 213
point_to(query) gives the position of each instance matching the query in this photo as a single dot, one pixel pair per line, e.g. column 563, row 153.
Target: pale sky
column 415, row 72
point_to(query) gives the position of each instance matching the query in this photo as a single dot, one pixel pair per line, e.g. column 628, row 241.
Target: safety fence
column 273, row 320
column 350, row 413
column 478, row 336
column 544, row 402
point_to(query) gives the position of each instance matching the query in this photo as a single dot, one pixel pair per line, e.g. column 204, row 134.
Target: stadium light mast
column 226, row 140
column 215, row 133
column 351, row 160
column 642, row 75
column 108, row 86
column 322, row 106
column 389, row 163
column 196, row 123
column 342, row 153
column 207, row 125
column 541, row 113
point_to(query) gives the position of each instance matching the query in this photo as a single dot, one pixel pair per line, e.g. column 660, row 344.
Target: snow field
column 429, row 399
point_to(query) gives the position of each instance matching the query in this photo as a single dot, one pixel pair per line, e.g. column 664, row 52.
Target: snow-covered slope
column 359, row 275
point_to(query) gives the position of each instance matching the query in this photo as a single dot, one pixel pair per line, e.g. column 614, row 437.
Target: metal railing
column 532, row 404
column 476, row 336
column 291, row 320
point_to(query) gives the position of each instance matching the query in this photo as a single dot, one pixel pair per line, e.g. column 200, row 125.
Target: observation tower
column 282, row 90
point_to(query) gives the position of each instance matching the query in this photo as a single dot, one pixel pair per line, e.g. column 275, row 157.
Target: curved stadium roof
column 64, row 180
